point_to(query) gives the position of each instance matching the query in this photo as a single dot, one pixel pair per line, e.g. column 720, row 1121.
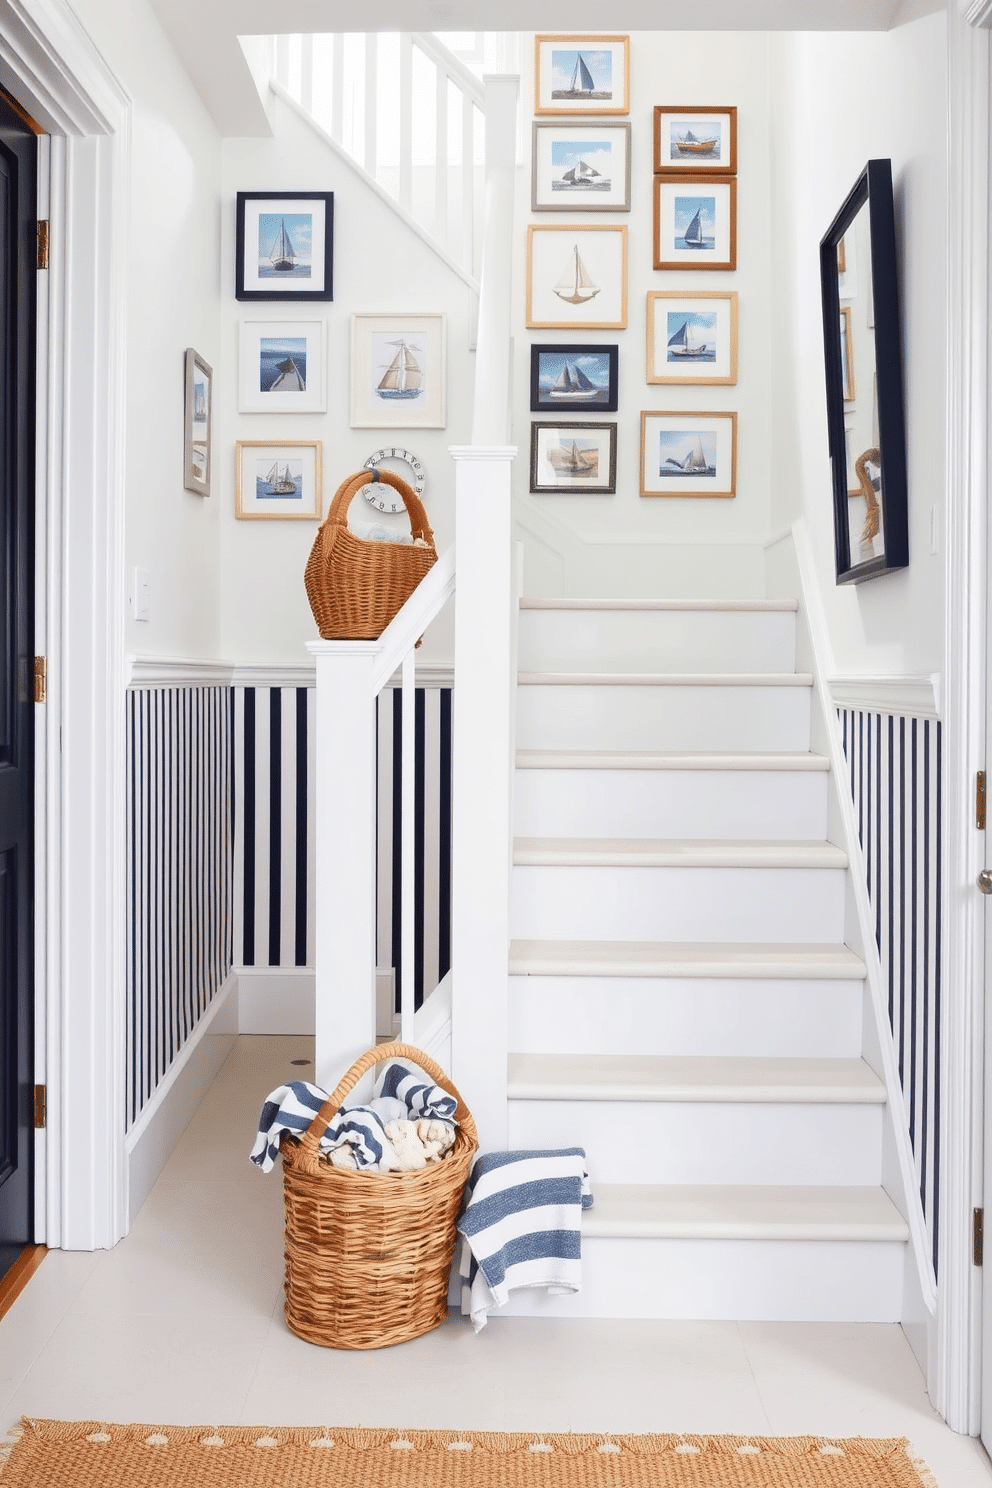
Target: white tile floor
column 182, row 1322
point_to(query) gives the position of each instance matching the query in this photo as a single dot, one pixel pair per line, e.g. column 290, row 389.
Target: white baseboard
column 153, row 1137
column 282, row 999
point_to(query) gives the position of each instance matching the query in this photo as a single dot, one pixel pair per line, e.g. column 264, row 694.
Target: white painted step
column 682, row 1015
column 559, row 793
column 656, row 636
column 660, row 713
column 639, row 1077
column 689, row 901
column 770, row 960
column 664, row 852
column 742, row 1212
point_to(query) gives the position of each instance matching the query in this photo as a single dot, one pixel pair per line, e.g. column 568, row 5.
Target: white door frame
column 52, row 68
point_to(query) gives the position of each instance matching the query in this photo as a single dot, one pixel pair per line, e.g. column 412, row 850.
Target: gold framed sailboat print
column 278, row 480
column 577, row 276
column 688, row 454
column 587, row 74
column 284, row 245
column 397, row 371
column 692, row 337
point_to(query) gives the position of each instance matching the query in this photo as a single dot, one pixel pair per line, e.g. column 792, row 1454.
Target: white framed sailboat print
column 588, row 74
column 688, row 454
column 580, row 167
column 397, row 371
column 577, row 276
column 692, row 337
column 281, row 366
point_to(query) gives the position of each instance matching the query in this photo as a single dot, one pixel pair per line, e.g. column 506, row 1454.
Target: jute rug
column 90, row 1454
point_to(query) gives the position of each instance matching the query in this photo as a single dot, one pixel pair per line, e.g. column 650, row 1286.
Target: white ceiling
column 205, row 32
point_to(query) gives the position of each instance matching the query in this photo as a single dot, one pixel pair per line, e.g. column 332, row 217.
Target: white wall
column 379, row 265
column 627, row 543
column 172, row 303
column 838, row 101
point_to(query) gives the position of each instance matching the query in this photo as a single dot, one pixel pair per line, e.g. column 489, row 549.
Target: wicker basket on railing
column 368, row 1254
column 356, row 586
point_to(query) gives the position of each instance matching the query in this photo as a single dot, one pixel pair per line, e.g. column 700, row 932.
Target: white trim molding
column 906, row 697
column 174, row 671
column 977, row 12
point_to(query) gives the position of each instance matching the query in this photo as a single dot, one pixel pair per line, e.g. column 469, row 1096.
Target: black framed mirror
column 863, row 363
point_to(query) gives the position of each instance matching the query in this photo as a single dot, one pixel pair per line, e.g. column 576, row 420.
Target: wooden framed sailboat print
column 692, row 337
column 587, row 74
column 278, row 480
column 397, row 372
column 573, row 459
column 688, row 454
column 284, row 245
column 695, row 222
column 695, row 139
column 577, row 276
column 581, row 167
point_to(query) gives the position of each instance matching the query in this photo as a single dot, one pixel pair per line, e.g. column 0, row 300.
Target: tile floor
column 182, row 1322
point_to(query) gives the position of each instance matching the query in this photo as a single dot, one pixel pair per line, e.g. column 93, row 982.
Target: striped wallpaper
column 894, row 766
column 180, row 880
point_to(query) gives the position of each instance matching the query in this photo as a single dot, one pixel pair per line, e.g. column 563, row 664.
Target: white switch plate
column 141, row 593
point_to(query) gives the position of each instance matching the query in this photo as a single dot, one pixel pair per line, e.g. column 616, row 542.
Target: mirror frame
column 873, row 186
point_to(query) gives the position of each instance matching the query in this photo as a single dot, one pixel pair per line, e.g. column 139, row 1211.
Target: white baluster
column 370, row 158
column 337, row 89
column 441, row 160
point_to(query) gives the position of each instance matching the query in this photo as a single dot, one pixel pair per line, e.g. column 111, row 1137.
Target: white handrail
column 405, row 629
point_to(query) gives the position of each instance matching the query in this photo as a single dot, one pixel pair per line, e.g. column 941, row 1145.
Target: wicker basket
column 355, row 587
column 368, row 1254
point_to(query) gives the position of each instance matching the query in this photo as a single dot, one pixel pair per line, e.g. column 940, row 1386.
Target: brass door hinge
column 980, row 800
column 40, row 1107
column 978, row 1235
column 40, row 679
column 44, row 239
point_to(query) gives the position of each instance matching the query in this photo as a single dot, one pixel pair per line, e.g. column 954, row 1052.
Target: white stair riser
column 699, row 1142
column 666, row 718
column 832, row 1281
column 737, row 904
column 671, row 803
column 657, row 641
column 649, row 1015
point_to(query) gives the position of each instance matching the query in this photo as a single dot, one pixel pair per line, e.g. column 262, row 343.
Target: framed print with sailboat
column 577, row 276
column 581, row 167
column 279, row 480
column 285, row 245
column 582, row 74
column 695, row 139
column 282, row 367
column 574, row 459
column 688, row 454
column 692, row 337
column 397, row 372
column 695, row 222
column 199, row 419
column 573, row 379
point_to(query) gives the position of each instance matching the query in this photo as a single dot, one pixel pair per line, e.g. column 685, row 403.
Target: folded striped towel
column 521, row 1226
column 404, row 1092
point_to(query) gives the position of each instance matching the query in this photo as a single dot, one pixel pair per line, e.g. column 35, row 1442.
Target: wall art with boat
column 688, row 454
column 573, row 459
column 397, row 371
column 577, row 276
column 284, row 245
column 580, row 167
column 692, row 337
column 581, row 74
column 700, row 138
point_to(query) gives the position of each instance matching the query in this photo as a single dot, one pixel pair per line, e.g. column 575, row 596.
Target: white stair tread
column 741, row 1212
column 766, row 960
column 653, row 1077
column 665, row 679
column 645, row 759
column 748, row 605
column 654, row 852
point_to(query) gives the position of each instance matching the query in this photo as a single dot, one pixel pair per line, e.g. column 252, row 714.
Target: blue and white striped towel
column 521, row 1226
column 404, row 1093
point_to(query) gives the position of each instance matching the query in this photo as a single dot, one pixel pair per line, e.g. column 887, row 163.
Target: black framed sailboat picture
column 575, row 378
column 284, row 245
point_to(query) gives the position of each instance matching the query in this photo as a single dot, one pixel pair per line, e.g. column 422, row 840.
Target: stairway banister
column 450, row 66
column 409, row 624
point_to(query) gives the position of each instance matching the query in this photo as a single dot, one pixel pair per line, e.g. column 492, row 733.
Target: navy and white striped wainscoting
column 274, row 916
column 180, row 872
column 894, row 767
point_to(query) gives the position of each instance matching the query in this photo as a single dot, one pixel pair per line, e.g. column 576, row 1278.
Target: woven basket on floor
column 355, row 586
column 368, row 1254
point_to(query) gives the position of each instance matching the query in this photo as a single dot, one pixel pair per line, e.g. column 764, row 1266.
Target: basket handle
column 337, row 515
column 309, row 1149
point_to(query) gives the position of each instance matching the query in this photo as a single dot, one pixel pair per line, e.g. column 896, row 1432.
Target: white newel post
column 482, row 744
column 345, row 849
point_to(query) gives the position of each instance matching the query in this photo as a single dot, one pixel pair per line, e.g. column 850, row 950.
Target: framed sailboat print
column 578, row 459
column 284, row 245
column 397, row 372
column 695, row 139
column 577, row 276
column 581, row 167
column 199, row 418
column 582, row 74
column 281, row 367
column 278, row 480
column 575, row 378
column 692, row 337
column 688, row 454
column 695, row 222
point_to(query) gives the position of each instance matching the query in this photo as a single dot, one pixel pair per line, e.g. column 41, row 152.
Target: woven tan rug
column 90, row 1454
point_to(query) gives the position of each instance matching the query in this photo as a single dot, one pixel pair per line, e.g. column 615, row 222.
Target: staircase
column 681, row 1003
